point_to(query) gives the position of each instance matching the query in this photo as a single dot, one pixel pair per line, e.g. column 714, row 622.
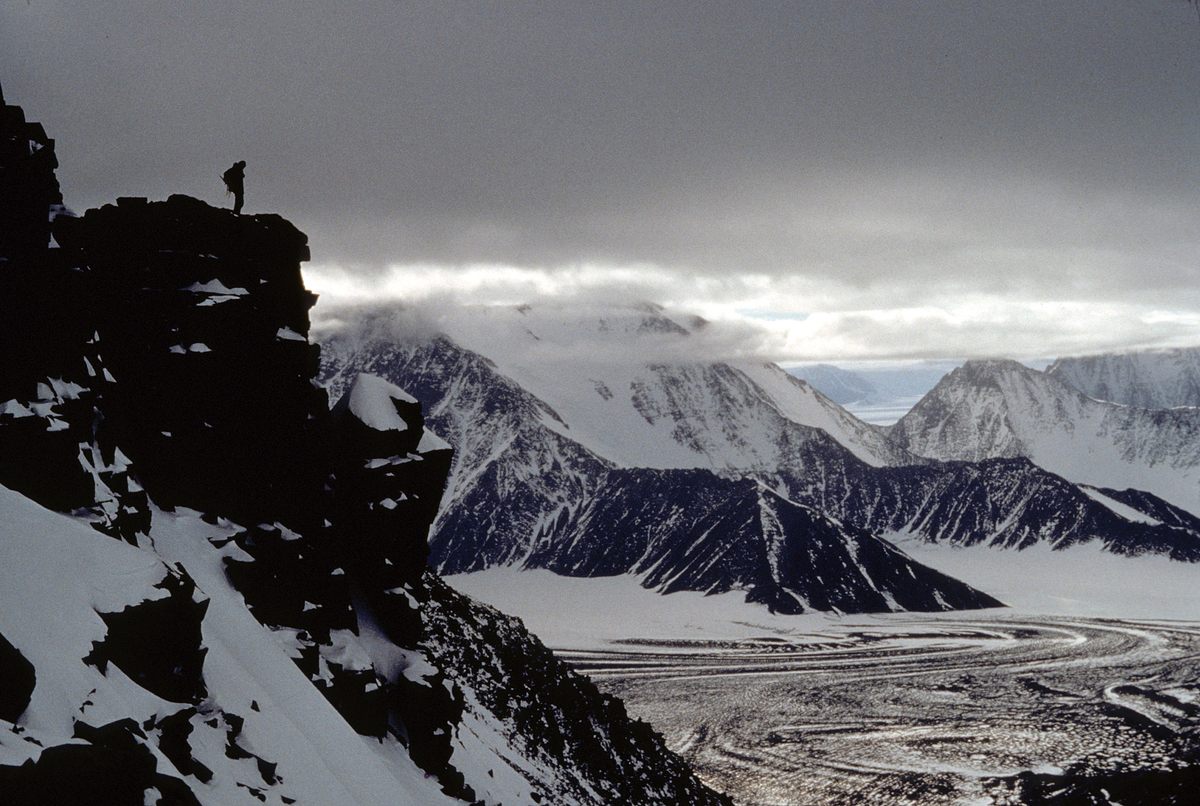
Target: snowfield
column 595, row 613
column 247, row 669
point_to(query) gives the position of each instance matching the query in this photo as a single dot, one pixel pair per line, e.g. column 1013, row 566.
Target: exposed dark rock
column 999, row 502
column 56, row 445
column 390, row 473
column 29, row 191
column 86, row 775
column 288, row 582
column 202, row 320
column 174, row 731
column 157, row 643
column 17, row 681
column 789, row 557
column 113, row 768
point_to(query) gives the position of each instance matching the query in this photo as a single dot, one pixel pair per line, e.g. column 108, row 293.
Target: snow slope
column 248, row 674
column 1081, row 580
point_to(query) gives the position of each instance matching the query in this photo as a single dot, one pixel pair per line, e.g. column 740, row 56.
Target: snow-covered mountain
column 1008, row 503
column 521, row 492
column 628, row 384
column 1152, row 379
column 213, row 586
column 530, row 486
column 996, row 408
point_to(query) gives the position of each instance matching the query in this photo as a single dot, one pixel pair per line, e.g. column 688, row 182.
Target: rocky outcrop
column 54, row 445
column 390, row 473
column 201, row 320
column 157, row 382
column 19, row 680
column 114, row 764
column 157, row 642
column 29, row 192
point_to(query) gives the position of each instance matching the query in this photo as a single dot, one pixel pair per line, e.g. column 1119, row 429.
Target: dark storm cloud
column 897, row 152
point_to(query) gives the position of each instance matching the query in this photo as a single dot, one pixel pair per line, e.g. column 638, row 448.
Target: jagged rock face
column 390, row 473
column 202, row 321
column 988, row 409
column 55, row 443
column 29, row 193
column 19, row 680
column 73, row 774
column 1151, row 379
column 1009, row 503
column 157, row 642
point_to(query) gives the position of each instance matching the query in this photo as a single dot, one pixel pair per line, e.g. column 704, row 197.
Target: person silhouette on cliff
column 235, row 183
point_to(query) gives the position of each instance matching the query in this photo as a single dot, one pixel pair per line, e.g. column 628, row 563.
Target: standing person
column 235, row 183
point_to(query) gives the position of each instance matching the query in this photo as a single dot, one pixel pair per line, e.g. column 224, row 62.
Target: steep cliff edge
column 264, row 629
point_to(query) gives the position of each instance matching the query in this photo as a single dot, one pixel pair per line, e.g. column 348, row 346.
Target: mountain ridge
column 998, row 408
column 553, row 472
column 546, row 496
column 1152, row 379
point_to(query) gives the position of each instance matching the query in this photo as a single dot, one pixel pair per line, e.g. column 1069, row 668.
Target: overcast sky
column 865, row 180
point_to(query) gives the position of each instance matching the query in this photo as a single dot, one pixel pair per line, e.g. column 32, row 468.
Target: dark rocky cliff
column 156, row 372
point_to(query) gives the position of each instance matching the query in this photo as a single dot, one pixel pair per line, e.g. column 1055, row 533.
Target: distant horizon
column 756, row 341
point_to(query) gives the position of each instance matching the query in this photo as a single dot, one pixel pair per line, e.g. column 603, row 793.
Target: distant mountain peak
column 1001, row 408
column 1153, row 379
